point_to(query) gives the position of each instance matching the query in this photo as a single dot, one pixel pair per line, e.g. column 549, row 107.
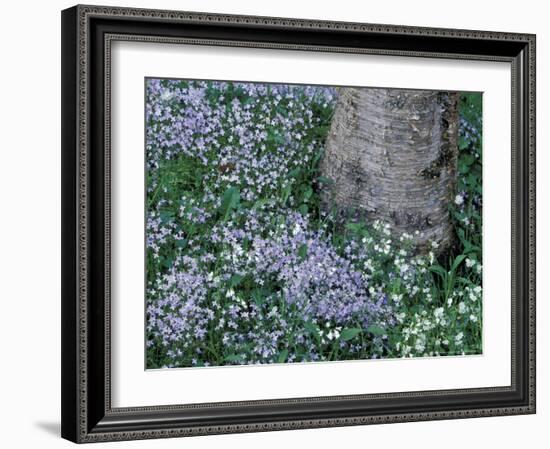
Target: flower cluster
column 275, row 284
column 246, row 135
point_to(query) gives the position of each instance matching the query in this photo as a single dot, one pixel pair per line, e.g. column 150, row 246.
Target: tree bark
column 392, row 155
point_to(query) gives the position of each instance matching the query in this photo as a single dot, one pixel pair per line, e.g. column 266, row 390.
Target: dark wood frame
column 87, row 33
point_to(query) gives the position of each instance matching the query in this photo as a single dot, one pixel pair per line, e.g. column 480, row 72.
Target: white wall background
column 30, row 224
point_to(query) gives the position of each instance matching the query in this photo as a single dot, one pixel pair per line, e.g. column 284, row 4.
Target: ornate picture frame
column 88, row 33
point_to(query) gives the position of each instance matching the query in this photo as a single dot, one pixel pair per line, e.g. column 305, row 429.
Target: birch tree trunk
column 392, row 154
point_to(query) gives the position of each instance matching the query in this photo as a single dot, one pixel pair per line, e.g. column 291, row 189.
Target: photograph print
column 292, row 223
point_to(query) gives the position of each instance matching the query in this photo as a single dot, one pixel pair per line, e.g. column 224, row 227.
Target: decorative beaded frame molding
column 87, row 34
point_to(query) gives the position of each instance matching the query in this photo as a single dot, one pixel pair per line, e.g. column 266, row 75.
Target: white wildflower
column 438, row 313
column 396, row 298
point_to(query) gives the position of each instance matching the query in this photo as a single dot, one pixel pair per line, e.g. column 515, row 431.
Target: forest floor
column 243, row 264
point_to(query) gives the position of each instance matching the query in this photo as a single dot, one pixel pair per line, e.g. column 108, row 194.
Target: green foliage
column 437, row 306
column 230, row 201
column 350, row 333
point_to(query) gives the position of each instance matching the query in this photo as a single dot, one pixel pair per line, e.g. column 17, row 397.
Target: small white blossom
column 420, row 346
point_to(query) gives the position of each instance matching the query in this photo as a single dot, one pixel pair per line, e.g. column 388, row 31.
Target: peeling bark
column 392, row 155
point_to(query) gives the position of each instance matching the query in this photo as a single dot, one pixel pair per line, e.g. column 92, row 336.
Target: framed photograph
column 276, row 224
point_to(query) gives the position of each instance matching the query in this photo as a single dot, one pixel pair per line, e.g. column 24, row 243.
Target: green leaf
column 181, row 243
column 168, row 261
column 282, row 356
column 302, row 251
column 307, row 194
column 282, row 110
column 230, row 200
column 232, row 358
column 325, row 180
column 303, row 209
column 349, row 333
column 260, row 295
column 286, row 193
column 317, row 158
column 354, row 227
column 166, row 215
column 473, row 179
column 235, row 280
column 462, row 143
column 439, row 270
column 260, row 203
column 376, row 330
column 469, row 247
column 458, row 261
column 312, row 328
column 294, row 173
column 273, row 136
column 467, row 159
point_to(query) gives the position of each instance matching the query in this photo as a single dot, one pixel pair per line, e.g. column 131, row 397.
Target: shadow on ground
column 53, row 428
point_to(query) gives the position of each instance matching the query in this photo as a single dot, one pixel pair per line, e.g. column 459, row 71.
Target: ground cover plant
column 246, row 262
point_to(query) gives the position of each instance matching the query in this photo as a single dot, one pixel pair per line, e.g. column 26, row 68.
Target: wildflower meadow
column 246, row 264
